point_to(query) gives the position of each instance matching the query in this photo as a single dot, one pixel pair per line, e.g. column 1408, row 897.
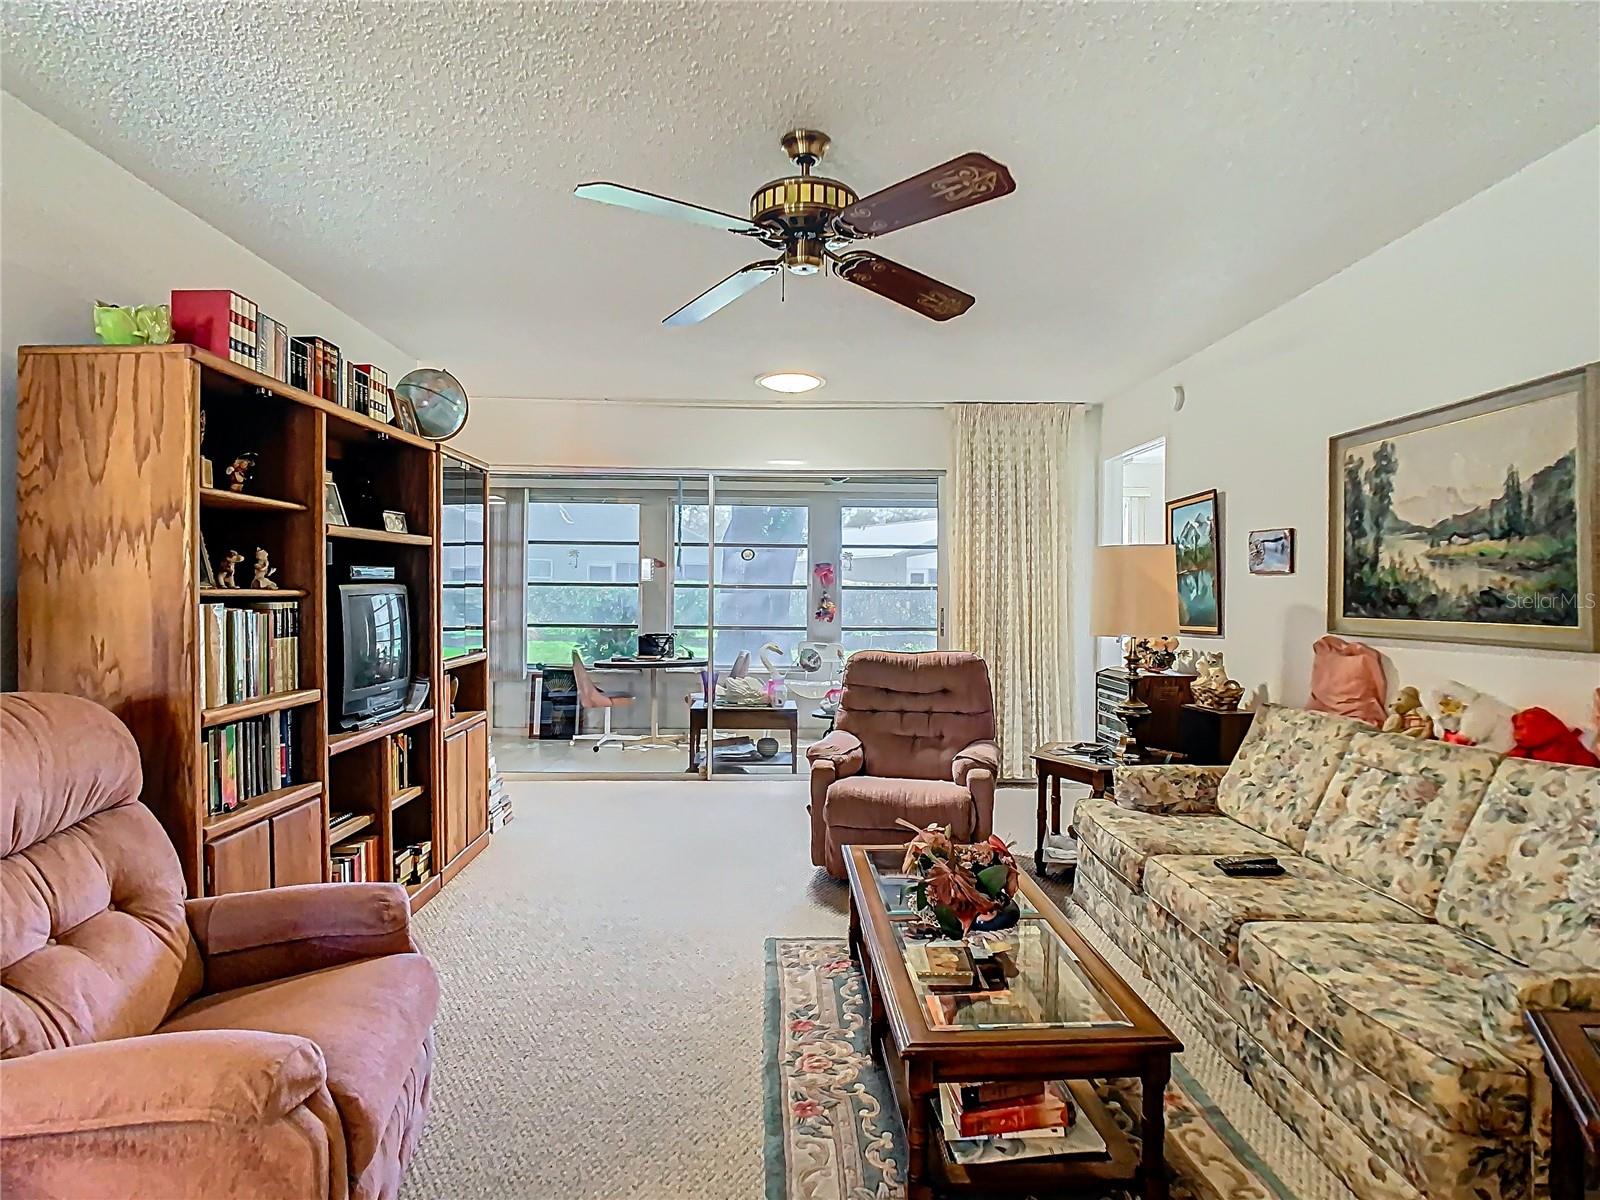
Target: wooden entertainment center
column 112, row 516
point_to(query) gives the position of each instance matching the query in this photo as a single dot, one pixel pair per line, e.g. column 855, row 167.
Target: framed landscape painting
column 1472, row 523
column 1194, row 527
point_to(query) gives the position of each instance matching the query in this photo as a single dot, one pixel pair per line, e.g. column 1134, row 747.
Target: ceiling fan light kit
column 813, row 221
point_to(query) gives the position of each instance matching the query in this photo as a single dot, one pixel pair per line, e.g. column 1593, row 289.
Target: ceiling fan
column 813, row 222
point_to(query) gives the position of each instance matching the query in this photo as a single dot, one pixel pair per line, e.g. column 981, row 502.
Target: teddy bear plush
column 1542, row 735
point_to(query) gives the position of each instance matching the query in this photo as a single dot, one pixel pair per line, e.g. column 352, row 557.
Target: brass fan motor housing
column 800, row 203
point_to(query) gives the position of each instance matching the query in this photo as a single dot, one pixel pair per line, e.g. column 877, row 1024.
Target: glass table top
column 1025, row 977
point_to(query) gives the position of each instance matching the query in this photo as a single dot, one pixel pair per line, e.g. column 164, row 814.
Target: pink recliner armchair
column 914, row 738
column 263, row 1045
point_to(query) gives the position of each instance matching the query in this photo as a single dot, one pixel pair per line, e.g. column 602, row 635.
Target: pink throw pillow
column 1347, row 679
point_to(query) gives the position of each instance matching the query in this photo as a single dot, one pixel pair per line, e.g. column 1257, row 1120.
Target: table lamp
column 1135, row 593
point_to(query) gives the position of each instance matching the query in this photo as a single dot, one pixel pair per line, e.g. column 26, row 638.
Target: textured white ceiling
column 1182, row 168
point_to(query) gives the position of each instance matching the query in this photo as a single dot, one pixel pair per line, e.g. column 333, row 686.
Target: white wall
column 514, row 433
column 1502, row 289
column 74, row 228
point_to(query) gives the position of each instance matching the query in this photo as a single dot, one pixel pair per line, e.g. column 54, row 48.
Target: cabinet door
column 455, row 795
column 297, row 855
column 477, row 780
column 240, row 861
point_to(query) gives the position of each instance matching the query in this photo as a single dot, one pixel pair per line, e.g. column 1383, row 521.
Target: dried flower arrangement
column 960, row 886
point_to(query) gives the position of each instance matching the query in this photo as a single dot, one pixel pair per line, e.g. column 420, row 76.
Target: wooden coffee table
column 1571, row 1045
column 1066, row 1015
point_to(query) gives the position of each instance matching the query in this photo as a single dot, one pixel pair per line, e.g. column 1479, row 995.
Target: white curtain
column 1015, row 527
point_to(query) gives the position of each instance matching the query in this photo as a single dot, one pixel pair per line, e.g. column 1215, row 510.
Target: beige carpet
column 603, row 976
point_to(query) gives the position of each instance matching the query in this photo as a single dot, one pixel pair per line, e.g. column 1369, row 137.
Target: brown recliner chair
column 914, row 738
column 266, row 1045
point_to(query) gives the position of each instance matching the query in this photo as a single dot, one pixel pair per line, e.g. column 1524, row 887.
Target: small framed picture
column 208, row 573
column 1272, row 552
column 332, row 504
column 394, row 522
column 404, row 415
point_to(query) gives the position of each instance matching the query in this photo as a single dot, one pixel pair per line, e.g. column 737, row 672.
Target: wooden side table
column 1052, row 764
column 1571, row 1045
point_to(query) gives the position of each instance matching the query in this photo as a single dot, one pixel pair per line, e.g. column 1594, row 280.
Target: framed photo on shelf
column 332, row 503
column 404, row 415
column 1272, row 552
column 394, row 522
column 208, row 573
column 1194, row 527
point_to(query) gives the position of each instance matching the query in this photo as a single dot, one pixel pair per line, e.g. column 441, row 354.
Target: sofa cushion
column 1396, row 810
column 369, row 1019
column 1213, row 906
column 1526, row 878
column 1123, row 839
column 873, row 802
column 93, row 940
column 1282, row 768
column 1401, row 1000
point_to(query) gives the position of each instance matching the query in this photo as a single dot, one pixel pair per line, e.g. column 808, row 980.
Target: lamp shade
column 1135, row 591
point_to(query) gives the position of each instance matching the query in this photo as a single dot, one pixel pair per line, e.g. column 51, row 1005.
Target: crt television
column 374, row 643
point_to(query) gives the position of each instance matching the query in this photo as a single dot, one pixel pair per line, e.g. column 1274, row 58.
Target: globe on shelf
column 438, row 399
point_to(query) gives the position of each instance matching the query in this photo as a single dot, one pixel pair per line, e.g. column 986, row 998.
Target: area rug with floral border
column 833, row 1131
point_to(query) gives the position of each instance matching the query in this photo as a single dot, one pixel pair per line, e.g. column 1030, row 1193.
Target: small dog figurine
column 263, row 573
column 239, row 471
column 226, row 568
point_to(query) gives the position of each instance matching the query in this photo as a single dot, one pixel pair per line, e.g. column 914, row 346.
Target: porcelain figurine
column 239, row 471
column 1212, row 688
column 226, row 568
column 261, row 577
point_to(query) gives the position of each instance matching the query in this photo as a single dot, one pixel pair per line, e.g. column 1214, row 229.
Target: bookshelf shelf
column 362, row 822
column 261, row 704
column 207, row 593
column 220, row 498
column 421, row 893
column 403, row 797
column 356, row 533
column 463, row 719
column 259, row 808
column 466, row 660
column 338, row 743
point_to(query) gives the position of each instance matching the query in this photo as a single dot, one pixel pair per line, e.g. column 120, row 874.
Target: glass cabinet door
column 465, row 499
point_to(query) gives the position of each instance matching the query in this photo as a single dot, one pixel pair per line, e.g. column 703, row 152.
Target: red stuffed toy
column 1542, row 735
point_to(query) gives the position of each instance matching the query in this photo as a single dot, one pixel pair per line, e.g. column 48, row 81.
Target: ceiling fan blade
column 725, row 293
column 921, row 293
column 662, row 206
column 957, row 184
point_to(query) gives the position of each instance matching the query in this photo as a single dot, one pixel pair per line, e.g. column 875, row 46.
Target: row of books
column 248, row 651
column 233, row 327
column 499, row 798
column 355, row 861
column 399, row 762
column 413, row 864
column 248, row 758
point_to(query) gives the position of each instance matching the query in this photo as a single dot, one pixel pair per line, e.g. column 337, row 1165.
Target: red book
column 1015, row 1118
column 217, row 320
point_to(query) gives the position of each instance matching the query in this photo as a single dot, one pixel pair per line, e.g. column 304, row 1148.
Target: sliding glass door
column 762, row 572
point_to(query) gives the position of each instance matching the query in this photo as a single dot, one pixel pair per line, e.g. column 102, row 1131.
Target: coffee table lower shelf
column 1094, row 1173
column 1091, row 1174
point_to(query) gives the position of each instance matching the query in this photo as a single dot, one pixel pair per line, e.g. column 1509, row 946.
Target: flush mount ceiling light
column 790, row 381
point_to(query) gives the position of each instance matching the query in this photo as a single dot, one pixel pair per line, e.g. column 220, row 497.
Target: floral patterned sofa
column 1374, row 994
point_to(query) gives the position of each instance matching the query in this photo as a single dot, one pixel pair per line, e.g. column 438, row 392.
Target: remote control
column 1249, row 864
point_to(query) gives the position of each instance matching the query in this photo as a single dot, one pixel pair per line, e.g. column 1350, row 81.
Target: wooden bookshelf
column 112, row 517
